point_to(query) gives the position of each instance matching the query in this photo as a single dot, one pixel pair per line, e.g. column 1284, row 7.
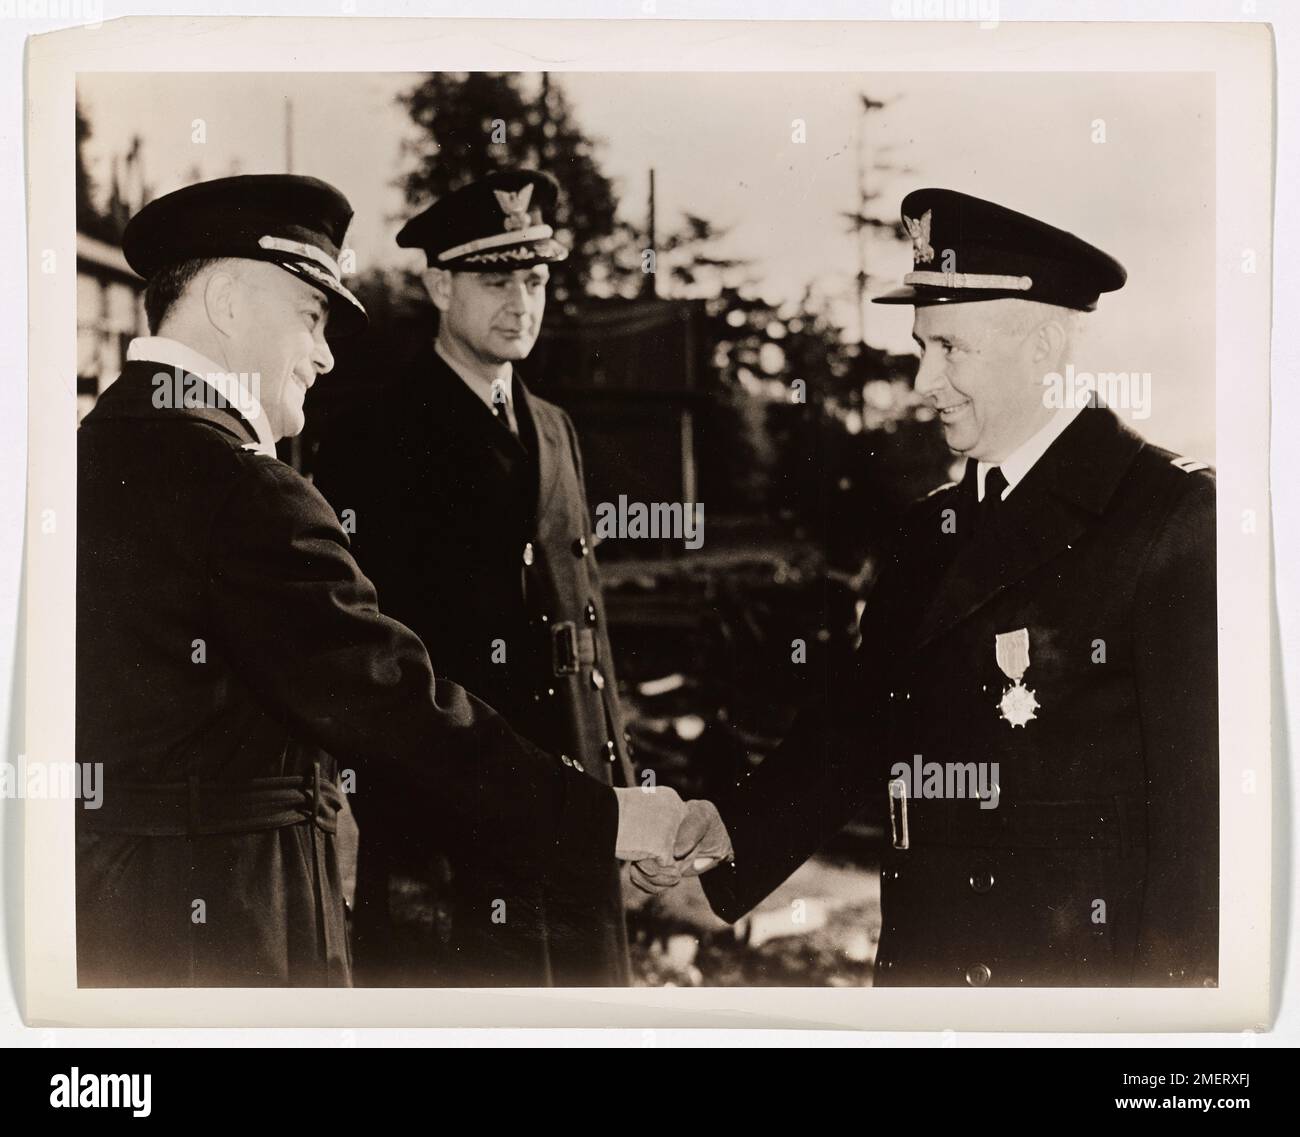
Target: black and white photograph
column 659, row 530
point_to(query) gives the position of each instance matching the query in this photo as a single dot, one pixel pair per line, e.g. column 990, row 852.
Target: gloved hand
column 648, row 820
column 702, row 839
column 701, row 843
column 654, row 878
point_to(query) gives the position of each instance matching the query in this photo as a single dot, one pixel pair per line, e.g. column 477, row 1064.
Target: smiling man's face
column 982, row 369
column 278, row 333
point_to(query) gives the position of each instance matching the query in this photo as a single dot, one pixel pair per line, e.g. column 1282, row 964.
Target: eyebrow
column 945, row 340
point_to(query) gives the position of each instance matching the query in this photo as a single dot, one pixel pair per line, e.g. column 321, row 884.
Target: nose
column 929, row 376
column 517, row 298
column 322, row 357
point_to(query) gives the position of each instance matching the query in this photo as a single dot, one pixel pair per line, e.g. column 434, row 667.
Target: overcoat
column 231, row 664
column 1095, row 860
column 481, row 541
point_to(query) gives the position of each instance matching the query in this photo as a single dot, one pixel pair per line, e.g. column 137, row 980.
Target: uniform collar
column 483, row 388
column 173, row 353
column 1022, row 459
column 1075, row 481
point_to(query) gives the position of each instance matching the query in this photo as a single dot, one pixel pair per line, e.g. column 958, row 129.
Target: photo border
column 1241, row 57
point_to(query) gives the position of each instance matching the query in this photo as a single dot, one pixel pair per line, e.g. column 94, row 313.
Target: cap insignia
column 919, row 231
column 515, row 206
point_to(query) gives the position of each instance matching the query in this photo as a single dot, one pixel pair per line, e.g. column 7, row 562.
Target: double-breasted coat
column 481, row 541
column 231, row 663
column 1098, row 864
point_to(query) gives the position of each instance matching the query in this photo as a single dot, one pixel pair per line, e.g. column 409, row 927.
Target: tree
column 105, row 225
column 469, row 124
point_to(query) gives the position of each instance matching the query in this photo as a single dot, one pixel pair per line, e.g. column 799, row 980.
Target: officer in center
column 473, row 524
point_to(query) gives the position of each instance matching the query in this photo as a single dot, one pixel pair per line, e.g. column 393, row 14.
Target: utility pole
column 649, row 286
column 288, row 136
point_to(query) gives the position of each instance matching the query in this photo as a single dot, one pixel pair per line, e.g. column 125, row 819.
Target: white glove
column 701, row 843
column 648, row 820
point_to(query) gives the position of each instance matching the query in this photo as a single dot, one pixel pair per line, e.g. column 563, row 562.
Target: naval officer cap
column 499, row 223
column 965, row 248
column 295, row 222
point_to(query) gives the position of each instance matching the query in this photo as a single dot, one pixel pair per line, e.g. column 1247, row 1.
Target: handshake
column 666, row 838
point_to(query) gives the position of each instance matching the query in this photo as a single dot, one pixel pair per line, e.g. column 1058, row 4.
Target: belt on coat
column 1096, row 823
column 195, row 808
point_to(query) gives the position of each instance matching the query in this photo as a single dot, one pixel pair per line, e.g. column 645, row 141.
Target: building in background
column 110, row 313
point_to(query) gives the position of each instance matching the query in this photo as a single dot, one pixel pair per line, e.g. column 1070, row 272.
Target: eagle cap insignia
column 515, row 206
column 919, row 231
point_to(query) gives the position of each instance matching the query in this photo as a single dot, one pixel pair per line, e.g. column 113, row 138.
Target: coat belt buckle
column 564, row 648
column 898, row 813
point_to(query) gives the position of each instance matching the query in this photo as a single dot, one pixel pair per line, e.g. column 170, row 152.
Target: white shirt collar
column 1021, row 460
column 161, row 349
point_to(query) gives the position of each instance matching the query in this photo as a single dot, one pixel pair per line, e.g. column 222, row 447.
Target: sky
column 1125, row 161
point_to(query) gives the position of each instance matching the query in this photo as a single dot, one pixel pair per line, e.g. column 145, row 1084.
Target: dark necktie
column 994, row 483
column 501, row 409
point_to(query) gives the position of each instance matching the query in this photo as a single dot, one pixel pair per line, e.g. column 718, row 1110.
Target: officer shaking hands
column 232, row 660
column 1033, row 720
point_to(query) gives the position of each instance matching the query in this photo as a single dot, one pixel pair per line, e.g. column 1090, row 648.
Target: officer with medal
column 472, row 520
column 1044, row 630
column 232, row 659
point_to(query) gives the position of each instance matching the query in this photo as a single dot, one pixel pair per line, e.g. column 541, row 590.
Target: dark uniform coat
column 481, row 542
column 230, row 660
column 1099, row 864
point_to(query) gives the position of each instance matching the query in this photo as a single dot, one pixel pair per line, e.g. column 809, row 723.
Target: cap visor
column 922, row 296
column 347, row 314
column 507, row 258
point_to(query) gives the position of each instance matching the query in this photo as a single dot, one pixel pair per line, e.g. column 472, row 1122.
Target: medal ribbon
column 1012, row 651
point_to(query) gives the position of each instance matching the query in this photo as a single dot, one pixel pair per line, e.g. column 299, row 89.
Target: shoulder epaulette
column 1188, row 465
column 940, row 489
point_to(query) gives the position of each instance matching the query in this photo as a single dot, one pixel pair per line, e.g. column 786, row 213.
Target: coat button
column 580, row 547
column 528, row 553
column 978, row 975
column 609, row 749
column 591, row 612
column 566, row 759
column 578, row 765
column 597, row 679
column 981, row 882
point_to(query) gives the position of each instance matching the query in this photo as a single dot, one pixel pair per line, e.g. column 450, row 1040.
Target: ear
column 220, row 300
column 1048, row 341
column 437, row 283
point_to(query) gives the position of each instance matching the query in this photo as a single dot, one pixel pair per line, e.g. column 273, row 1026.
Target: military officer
column 472, row 520
column 231, row 658
column 1033, row 718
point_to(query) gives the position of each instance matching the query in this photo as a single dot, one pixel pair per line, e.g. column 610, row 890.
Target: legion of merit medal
column 1012, row 651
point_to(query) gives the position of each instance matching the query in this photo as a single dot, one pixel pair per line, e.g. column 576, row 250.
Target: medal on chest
column 1018, row 703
